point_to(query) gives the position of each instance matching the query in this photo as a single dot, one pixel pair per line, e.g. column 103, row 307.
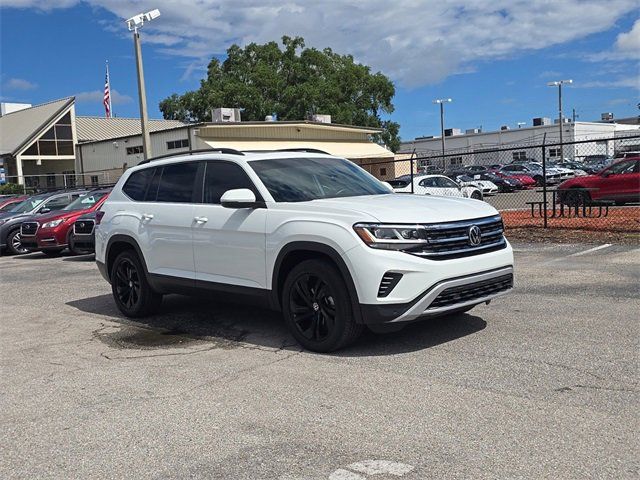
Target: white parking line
column 594, row 249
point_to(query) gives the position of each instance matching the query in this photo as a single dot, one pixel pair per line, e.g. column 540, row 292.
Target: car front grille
column 83, row 227
column 29, row 228
column 472, row 291
column 453, row 240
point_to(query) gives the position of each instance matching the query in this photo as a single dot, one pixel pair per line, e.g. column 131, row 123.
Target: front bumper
column 445, row 297
column 421, row 281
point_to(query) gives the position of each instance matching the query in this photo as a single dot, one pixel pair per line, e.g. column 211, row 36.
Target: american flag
column 106, row 101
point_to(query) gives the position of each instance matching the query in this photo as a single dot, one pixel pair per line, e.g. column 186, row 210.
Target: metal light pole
column 135, row 23
column 559, row 84
column 441, row 102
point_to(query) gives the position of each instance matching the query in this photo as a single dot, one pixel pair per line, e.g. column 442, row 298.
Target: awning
column 350, row 150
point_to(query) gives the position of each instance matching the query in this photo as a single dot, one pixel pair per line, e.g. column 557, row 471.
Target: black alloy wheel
column 127, row 284
column 312, row 307
column 317, row 307
column 132, row 293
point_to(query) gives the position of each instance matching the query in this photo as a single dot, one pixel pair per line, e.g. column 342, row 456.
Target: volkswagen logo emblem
column 475, row 235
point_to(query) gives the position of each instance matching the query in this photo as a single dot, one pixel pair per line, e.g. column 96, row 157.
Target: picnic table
column 583, row 206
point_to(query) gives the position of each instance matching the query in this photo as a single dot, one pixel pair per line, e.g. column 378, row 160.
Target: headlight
column 390, row 237
column 53, row 223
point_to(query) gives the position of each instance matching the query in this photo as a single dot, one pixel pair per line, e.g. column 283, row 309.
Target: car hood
column 411, row 208
column 11, row 215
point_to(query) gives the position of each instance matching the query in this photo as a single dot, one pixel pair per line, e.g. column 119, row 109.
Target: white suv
column 306, row 233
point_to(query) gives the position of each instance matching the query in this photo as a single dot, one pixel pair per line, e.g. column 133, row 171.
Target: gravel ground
column 540, row 384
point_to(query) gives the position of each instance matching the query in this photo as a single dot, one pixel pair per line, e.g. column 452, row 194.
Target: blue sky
column 493, row 63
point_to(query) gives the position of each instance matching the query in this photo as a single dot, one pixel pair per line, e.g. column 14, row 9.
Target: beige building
column 105, row 160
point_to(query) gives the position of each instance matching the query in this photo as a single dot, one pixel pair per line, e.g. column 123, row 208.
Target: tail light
column 99, row 215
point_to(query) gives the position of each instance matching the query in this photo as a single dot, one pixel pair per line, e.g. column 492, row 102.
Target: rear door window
column 177, row 183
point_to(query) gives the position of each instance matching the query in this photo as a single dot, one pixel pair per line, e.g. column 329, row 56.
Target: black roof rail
column 303, row 149
column 230, row 151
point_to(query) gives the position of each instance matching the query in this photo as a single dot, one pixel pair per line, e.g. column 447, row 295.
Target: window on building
column 135, row 150
column 69, row 178
column 554, row 152
column 56, row 141
column 177, row 183
column 383, row 171
column 94, row 181
column 173, row 144
column 455, row 161
column 51, row 180
column 519, row 155
column 222, row 176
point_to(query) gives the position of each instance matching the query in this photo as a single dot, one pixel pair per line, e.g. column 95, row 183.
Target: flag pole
column 109, row 82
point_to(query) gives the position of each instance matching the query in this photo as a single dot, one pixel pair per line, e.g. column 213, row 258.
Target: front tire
column 317, row 307
column 14, row 243
column 476, row 195
column 132, row 293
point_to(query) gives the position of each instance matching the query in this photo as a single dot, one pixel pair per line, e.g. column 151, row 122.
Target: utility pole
column 441, row 102
column 559, row 84
column 135, row 23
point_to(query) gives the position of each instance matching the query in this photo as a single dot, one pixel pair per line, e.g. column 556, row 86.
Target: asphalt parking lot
column 540, row 384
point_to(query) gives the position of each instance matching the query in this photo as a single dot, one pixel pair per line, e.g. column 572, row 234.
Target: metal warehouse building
column 473, row 143
column 105, row 160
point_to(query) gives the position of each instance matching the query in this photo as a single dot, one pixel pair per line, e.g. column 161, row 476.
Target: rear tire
column 576, row 197
column 132, row 293
column 14, row 244
column 317, row 307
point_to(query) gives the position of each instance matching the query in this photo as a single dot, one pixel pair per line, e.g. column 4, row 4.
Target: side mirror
column 239, row 198
column 44, row 210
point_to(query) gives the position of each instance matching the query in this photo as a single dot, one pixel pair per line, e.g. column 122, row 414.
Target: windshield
column 28, row 205
column 465, row 178
column 85, row 202
column 303, row 179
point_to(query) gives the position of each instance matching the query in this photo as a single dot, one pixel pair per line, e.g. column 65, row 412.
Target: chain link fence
column 588, row 185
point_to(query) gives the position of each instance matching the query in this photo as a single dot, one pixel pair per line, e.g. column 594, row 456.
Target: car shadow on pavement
column 232, row 325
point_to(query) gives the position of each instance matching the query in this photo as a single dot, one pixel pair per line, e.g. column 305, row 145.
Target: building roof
column 18, row 128
column 91, row 129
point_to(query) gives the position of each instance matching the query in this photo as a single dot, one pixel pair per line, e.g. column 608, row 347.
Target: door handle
column 201, row 219
column 147, row 216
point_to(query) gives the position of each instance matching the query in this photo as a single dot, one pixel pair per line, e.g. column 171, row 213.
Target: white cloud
column 413, row 41
column 96, row 96
column 19, row 84
column 624, row 82
column 626, row 47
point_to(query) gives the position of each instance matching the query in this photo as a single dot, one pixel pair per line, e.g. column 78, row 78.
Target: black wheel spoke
column 312, row 307
column 127, row 283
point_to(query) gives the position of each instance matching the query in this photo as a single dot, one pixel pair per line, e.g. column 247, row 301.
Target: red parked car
column 526, row 180
column 50, row 233
column 619, row 182
column 7, row 202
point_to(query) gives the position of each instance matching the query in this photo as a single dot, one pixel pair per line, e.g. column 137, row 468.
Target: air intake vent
column 388, row 283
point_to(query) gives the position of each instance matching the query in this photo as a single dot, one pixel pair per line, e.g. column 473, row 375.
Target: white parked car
column 438, row 185
column 486, row 186
column 311, row 235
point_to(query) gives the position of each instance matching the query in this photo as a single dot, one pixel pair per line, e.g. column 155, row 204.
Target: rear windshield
column 303, row 179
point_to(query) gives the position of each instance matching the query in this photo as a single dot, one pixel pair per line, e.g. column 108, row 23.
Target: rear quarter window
column 136, row 186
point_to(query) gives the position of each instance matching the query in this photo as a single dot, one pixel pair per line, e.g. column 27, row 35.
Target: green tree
column 290, row 82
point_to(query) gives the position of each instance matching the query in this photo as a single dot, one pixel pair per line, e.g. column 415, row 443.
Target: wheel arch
column 118, row 244
column 295, row 252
